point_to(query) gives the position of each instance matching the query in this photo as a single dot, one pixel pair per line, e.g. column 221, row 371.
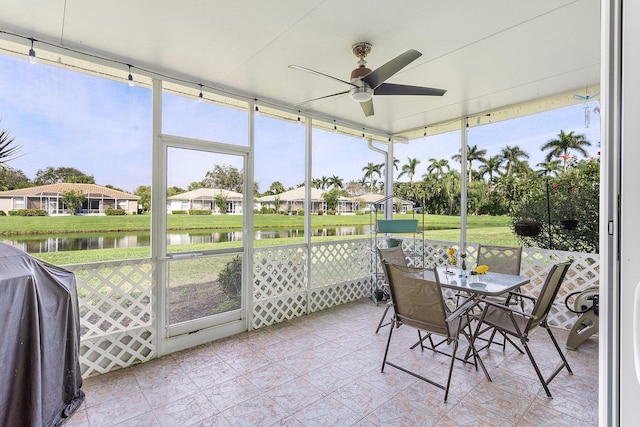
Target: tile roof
column 92, row 190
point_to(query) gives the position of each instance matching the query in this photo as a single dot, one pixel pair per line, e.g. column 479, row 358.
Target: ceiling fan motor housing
column 361, row 93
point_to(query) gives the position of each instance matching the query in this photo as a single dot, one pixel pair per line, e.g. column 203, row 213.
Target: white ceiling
column 487, row 54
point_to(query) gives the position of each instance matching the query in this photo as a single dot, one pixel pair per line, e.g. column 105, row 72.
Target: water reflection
column 71, row 242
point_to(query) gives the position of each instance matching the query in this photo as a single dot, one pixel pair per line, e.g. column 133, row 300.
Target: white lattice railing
column 115, row 298
column 115, row 314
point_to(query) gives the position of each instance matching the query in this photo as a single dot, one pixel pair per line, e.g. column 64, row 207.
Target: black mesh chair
column 418, row 303
column 515, row 323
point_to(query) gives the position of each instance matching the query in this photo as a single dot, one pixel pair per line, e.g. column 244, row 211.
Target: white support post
column 388, row 181
column 158, row 221
column 463, row 189
column 307, row 201
column 247, row 214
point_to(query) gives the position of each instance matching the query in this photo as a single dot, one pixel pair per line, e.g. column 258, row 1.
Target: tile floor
column 324, row 370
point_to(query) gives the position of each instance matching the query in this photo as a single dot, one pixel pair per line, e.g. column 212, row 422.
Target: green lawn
column 10, row 225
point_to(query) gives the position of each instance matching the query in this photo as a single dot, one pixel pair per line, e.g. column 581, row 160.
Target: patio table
column 481, row 285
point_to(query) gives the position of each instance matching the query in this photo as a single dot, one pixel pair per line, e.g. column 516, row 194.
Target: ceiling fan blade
column 367, row 107
column 322, row 97
column 380, row 74
column 309, row 70
column 393, row 89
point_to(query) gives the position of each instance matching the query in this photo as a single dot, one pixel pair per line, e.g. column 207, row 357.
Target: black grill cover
column 40, row 377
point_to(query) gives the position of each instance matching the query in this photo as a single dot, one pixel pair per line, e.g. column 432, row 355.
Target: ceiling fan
column 366, row 83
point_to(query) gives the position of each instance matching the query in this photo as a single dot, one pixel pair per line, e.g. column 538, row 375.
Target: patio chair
column 518, row 324
column 418, row 303
column 393, row 255
column 505, row 260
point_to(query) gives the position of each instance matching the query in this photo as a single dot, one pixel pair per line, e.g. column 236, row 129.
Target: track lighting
column 130, row 78
column 200, row 96
column 32, row 53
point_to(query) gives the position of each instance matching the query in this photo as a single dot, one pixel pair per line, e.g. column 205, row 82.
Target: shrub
column 284, row 213
column 320, row 212
column 230, row 278
column 199, row 212
column 360, row 212
column 179, row 212
column 28, row 212
column 301, row 212
column 331, row 212
column 109, row 212
column 2, row 213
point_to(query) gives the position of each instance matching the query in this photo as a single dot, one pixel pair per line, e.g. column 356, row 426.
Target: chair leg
column 476, row 357
column 380, row 325
column 535, row 366
column 386, row 350
column 564, row 360
column 453, row 360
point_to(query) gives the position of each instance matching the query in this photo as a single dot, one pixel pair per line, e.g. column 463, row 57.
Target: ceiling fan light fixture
column 361, row 94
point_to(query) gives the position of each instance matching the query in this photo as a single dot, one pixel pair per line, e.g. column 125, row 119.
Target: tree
column 438, row 167
column 7, row 152
column 53, row 175
column 195, row 185
column 221, row 202
column 514, row 157
column 73, row 200
column 335, row 181
column 276, row 187
column 172, row 191
column 409, row 168
column 10, row 179
column 144, row 192
column 332, row 197
column 492, row 167
column 572, row 195
column 114, row 188
column 550, row 168
column 224, row 177
column 369, row 170
column 566, row 142
column 473, row 153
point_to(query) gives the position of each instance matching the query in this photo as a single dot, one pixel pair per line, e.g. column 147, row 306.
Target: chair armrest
column 518, row 294
column 507, row 308
column 468, row 305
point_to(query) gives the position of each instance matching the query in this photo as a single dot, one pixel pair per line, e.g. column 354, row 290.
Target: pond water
column 74, row 242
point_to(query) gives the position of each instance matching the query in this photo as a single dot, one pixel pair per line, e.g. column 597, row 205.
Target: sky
column 103, row 128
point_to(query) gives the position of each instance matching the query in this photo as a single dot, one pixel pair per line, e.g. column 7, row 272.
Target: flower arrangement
column 453, row 259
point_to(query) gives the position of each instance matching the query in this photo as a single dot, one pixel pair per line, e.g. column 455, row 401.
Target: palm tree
column 369, row 170
column 550, row 168
column 409, row 168
column 437, row 167
column 514, row 156
column 335, row 181
column 473, row 153
column 491, row 166
column 565, row 142
column 396, row 162
column 7, row 152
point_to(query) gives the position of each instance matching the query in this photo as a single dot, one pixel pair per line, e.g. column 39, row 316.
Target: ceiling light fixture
column 335, row 128
column 130, row 77
column 299, row 121
column 424, row 136
column 256, row 110
column 32, row 53
column 200, row 96
column 363, row 137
